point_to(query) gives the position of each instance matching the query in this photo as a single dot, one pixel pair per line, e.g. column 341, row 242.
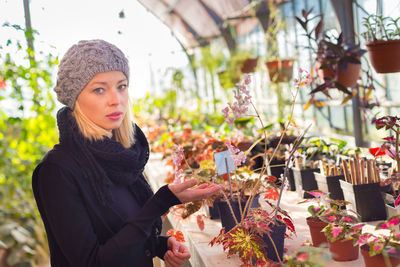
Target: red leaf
column 200, row 222
column 377, row 151
column 272, row 193
column 177, row 234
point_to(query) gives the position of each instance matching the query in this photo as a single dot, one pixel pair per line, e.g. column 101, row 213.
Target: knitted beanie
column 81, row 63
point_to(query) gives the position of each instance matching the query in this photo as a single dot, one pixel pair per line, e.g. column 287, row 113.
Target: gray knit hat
column 82, row 62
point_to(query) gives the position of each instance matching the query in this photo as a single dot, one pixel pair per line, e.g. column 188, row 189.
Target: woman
column 97, row 208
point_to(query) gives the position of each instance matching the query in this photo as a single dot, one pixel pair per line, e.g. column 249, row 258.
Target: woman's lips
column 114, row 116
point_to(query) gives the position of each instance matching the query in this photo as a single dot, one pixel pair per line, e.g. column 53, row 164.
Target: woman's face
column 104, row 100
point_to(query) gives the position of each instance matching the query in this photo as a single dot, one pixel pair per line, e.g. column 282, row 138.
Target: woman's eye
column 98, row 90
column 122, row 87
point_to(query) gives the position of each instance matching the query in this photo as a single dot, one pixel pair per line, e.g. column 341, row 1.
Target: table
column 197, row 241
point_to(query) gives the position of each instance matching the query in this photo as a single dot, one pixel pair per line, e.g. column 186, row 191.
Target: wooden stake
column 353, row 172
column 362, row 169
column 346, row 171
column 357, row 170
column 369, row 171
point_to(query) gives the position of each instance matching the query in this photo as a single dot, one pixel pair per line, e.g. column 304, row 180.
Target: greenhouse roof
column 195, row 22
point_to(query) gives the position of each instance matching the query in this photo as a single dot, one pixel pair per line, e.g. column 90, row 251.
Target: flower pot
column 391, row 210
column 227, row 219
column 213, row 210
column 343, row 250
column 316, row 227
column 277, row 170
column 278, row 236
column 347, row 78
column 365, row 199
column 292, row 184
column 384, row 55
column 330, row 185
column 280, row 70
column 305, row 181
column 249, row 65
column 378, row 260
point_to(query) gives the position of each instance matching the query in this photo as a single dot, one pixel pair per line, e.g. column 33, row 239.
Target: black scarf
column 107, row 159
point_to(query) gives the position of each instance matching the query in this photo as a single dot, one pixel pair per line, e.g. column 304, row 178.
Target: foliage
column 379, row 27
column 25, row 135
column 333, row 55
column 242, row 239
column 383, row 243
column 310, row 256
column 329, row 147
column 342, row 224
column 275, row 24
column 246, row 239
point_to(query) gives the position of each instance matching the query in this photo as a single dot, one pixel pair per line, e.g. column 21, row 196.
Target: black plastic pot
column 305, row 181
column 227, row 219
column 292, row 184
column 365, row 199
column 330, row 185
column 278, row 236
column 278, row 170
column 214, row 211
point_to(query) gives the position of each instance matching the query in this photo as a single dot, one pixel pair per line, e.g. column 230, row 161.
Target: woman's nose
column 114, row 97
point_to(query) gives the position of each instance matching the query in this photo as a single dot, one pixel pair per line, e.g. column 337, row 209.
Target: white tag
column 221, row 164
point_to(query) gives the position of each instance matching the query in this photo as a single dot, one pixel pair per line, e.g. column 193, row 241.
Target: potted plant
column 279, row 70
column 380, row 248
column 383, row 42
column 338, row 61
column 242, row 238
column 313, row 221
column 309, row 256
column 391, row 147
column 342, row 232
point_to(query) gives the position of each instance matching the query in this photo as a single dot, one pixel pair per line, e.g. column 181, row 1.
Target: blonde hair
column 124, row 134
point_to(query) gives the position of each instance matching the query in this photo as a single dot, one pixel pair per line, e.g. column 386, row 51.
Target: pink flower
column 238, row 156
column 336, row 230
column 2, row 83
column 302, row 257
column 247, row 79
column 177, row 158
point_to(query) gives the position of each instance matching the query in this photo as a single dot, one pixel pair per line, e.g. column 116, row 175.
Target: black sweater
column 83, row 232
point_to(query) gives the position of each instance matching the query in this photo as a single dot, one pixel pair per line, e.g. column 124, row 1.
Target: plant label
column 224, row 162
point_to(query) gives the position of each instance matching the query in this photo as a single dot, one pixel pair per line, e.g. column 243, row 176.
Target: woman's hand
column 176, row 253
column 183, row 192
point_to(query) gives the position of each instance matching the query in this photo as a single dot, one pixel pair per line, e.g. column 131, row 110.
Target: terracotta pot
column 316, row 227
column 343, row 250
column 384, row 55
column 377, row 260
column 249, row 65
column 347, row 78
column 280, row 70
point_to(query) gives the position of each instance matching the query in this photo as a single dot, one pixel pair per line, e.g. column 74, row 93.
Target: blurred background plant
column 27, row 131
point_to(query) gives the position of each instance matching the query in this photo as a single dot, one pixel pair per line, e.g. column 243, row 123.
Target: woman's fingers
column 168, row 259
column 184, row 194
column 177, row 188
